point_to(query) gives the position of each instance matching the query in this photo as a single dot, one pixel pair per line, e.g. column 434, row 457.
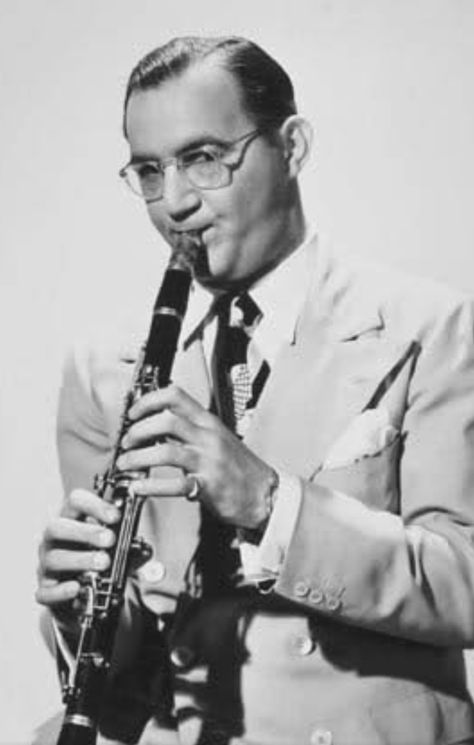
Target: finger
column 58, row 562
column 155, row 487
column 172, row 398
column 65, row 530
column 161, row 425
column 86, row 504
column 56, row 593
column 161, row 454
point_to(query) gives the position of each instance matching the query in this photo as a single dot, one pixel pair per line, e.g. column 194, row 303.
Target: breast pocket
column 373, row 479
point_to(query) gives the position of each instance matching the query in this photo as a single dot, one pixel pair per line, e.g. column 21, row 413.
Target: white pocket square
column 367, row 435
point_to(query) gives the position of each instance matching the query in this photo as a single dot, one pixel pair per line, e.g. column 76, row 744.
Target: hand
column 234, row 481
column 73, row 543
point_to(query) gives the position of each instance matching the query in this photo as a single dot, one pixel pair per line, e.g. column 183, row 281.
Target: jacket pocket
column 373, row 479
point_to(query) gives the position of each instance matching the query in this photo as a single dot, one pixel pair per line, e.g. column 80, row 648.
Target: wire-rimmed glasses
column 205, row 167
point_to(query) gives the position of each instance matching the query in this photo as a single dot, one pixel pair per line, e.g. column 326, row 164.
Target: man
column 343, row 487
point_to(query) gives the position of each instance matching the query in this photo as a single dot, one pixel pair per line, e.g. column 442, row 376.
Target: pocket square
column 367, row 435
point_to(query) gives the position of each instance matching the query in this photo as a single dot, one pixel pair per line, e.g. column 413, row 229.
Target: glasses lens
column 205, row 170
column 146, row 180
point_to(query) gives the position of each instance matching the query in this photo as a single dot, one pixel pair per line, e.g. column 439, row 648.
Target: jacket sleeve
column 84, row 437
column 407, row 569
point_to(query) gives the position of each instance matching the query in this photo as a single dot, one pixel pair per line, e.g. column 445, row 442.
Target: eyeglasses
column 207, row 167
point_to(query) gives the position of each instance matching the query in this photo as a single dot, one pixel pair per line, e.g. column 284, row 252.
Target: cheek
column 155, row 214
column 259, row 199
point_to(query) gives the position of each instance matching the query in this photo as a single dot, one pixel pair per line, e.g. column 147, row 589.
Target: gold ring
column 196, row 487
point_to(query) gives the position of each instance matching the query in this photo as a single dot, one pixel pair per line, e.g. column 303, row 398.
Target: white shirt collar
column 279, row 295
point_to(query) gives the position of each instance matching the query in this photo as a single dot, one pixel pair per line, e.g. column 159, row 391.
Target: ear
column 297, row 137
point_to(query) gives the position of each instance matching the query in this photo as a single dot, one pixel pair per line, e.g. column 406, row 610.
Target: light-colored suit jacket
column 360, row 641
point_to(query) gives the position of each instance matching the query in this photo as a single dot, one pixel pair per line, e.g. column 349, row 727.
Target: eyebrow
column 187, row 147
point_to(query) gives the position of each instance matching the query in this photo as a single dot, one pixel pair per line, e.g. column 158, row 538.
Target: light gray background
column 388, row 85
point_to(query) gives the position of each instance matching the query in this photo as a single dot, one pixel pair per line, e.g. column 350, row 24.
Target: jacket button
column 301, row 589
column 316, row 596
column 333, row 602
column 302, row 645
column 153, row 572
column 182, row 656
column 321, row 737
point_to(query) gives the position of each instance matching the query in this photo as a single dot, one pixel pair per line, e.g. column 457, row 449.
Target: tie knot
column 238, row 312
column 250, row 313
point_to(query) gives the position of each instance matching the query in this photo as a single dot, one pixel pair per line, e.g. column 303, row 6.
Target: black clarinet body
column 104, row 591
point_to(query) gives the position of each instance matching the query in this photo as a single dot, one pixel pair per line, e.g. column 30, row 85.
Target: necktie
column 235, row 395
column 237, row 386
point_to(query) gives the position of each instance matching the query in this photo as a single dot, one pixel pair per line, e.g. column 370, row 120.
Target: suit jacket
column 360, row 641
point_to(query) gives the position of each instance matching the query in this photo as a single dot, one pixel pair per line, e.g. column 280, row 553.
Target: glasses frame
column 177, row 160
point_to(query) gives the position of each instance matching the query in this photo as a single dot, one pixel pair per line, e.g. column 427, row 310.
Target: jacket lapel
column 327, row 375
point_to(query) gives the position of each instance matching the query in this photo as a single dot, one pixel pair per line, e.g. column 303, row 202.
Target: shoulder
column 116, row 338
column 98, row 371
column 416, row 304
column 102, row 351
column 408, row 305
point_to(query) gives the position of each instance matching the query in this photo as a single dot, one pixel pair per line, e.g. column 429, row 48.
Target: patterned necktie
column 236, row 393
column 237, row 386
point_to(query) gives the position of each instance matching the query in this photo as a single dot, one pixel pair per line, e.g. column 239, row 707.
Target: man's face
column 244, row 225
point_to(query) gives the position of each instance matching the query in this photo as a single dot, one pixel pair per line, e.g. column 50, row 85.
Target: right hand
column 73, row 543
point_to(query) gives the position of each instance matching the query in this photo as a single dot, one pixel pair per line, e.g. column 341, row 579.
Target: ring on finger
column 196, row 486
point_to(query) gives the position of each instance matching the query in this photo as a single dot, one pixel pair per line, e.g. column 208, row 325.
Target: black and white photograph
column 237, row 394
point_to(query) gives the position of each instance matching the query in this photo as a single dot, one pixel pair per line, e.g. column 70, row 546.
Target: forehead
column 204, row 101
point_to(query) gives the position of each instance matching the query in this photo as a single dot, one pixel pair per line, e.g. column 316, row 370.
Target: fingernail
column 125, row 442
column 119, row 463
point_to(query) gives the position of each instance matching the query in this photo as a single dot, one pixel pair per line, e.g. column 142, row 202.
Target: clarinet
column 103, row 592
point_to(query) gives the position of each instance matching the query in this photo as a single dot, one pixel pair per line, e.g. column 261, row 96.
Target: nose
column 180, row 198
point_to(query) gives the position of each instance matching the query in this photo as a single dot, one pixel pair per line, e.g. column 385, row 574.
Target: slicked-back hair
column 265, row 87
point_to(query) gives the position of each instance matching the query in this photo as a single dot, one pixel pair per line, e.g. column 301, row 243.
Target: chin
column 214, row 270
column 214, row 283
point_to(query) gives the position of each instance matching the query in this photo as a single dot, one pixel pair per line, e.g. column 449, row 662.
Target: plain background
column 389, row 87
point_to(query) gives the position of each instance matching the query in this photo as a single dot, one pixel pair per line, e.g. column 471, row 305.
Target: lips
column 196, row 232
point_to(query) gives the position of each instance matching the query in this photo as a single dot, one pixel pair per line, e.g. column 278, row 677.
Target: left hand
column 234, row 481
